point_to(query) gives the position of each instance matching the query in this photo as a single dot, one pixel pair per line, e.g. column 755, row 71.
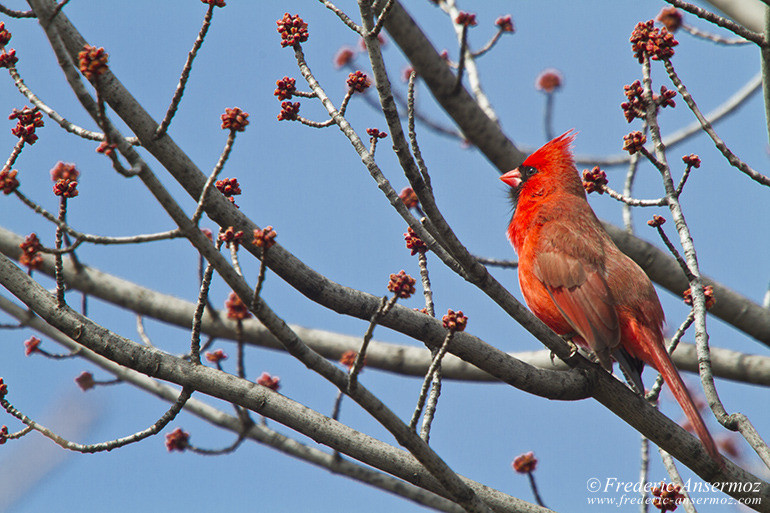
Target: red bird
column 579, row 283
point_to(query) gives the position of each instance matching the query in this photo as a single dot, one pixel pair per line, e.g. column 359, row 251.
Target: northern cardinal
column 579, row 283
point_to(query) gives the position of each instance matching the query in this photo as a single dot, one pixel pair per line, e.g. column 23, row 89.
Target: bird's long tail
column 665, row 366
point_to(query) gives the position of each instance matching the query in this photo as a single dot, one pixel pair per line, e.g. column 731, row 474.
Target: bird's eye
column 527, row 171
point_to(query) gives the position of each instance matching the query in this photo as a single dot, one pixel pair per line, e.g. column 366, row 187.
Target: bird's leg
column 573, row 348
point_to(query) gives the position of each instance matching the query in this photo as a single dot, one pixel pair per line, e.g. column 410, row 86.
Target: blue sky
column 311, row 186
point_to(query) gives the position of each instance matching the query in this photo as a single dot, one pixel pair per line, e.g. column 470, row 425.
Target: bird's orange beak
column 512, row 178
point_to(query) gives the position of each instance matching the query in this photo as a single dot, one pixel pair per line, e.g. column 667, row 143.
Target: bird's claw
column 573, row 348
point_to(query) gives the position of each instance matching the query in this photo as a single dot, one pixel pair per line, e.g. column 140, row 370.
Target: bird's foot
column 573, row 348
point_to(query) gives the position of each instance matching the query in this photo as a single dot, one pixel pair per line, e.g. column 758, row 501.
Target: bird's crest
column 557, row 150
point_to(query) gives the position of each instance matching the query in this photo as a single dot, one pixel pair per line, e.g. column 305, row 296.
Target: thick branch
column 154, row 363
column 257, row 432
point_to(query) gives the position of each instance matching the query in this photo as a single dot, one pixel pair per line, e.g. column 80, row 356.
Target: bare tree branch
column 259, row 433
column 154, row 363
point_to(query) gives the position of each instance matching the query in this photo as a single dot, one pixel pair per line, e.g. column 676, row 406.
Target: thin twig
column 240, row 365
column 199, row 209
column 234, row 257
column 533, row 486
column 428, row 122
column 160, row 132
column 209, row 341
column 470, row 63
column 720, row 21
column 496, row 262
column 548, row 115
column 633, row 202
column 373, row 145
column 345, row 101
column 18, row 434
column 461, row 63
column 765, row 69
column 104, row 124
column 17, row 14
column 64, row 250
column 490, row 44
column 337, row 405
column 304, row 94
column 58, row 118
column 422, row 260
column 76, row 264
column 58, row 9
column 633, row 166
column 672, row 249
column 430, row 406
column 200, row 306
column 413, row 134
column 57, row 256
column 721, row 146
column 381, row 19
column 684, row 178
column 660, row 164
column 730, row 106
column 315, row 124
column 366, row 157
column 329, row 122
column 217, row 452
column 436, row 354
column 262, row 274
column 103, row 446
column 676, row 479
column 344, row 17
column 57, row 356
column 714, row 38
column 14, row 154
column 435, row 366
column 141, row 331
column 654, row 392
column 385, row 306
column 97, row 239
column 644, row 471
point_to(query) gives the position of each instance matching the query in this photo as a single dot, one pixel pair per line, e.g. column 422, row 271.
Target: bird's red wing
column 583, row 298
